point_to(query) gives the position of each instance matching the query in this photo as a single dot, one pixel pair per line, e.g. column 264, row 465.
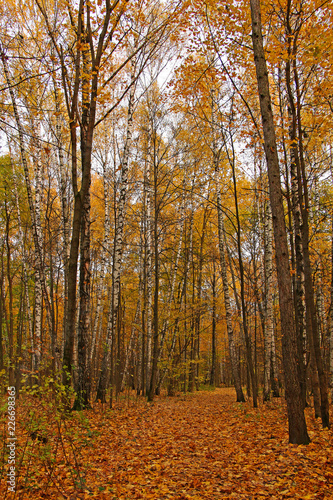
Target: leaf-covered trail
column 206, row 446
column 202, row 446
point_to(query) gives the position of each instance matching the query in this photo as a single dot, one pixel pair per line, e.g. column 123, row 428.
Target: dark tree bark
column 302, row 235
column 297, row 224
column 309, row 293
column 1, row 307
column 153, row 377
column 297, row 426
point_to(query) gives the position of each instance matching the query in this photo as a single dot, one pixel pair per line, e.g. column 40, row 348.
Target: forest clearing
column 192, row 446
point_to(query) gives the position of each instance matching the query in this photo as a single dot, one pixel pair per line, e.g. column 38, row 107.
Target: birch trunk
column 297, row 227
column 331, row 323
column 181, row 296
column 34, row 363
column 311, row 314
column 274, row 368
column 2, row 305
column 242, row 283
column 10, row 320
column 65, row 211
column 38, row 285
column 140, row 343
column 228, row 311
column 131, row 341
column 198, row 305
column 320, row 303
column 118, row 249
column 212, row 375
column 149, row 269
column 171, row 295
column 155, row 233
column 261, row 298
column 35, row 226
column 101, row 285
column 192, row 368
column 269, row 324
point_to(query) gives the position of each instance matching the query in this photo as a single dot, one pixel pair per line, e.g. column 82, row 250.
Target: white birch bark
column 137, row 315
column 331, row 355
column 149, row 265
column 118, row 243
column 121, row 209
column 38, row 254
column 320, row 296
column 101, row 285
column 64, row 195
column 25, row 266
column 140, row 340
column 330, row 333
column 76, row 339
column 320, row 303
column 221, row 235
column 269, row 328
column 182, row 295
column 228, row 311
column 302, row 315
column 38, row 197
column 131, row 340
column 171, row 293
column 269, row 305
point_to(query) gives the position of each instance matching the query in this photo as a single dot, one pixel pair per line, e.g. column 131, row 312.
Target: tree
column 297, row 425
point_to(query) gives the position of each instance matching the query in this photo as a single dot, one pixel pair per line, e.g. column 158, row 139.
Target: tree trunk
column 156, row 203
column 242, row 283
column 10, row 323
column 297, row 224
column 297, row 426
column 38, row 284
column 84, row 373
column 2, row 306
column 65, row 213
column 228, row 312
column 39, row 269
column 330, row 322
column 25, row 265
column 149, row 272
column 212, row 380
column 269, row 324
column 118, row 249
column 101, row 285
column 309, row 293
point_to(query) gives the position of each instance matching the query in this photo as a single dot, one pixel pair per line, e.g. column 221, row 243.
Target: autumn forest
column 166, row 236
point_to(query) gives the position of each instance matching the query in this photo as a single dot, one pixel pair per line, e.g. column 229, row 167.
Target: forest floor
column 194, row 446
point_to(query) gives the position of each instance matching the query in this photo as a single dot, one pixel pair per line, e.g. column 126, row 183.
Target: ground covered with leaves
column 198, row 446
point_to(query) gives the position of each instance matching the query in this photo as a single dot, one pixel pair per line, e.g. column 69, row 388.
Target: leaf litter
column 189, row 447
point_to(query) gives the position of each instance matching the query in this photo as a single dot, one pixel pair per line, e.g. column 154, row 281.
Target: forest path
column 206, row 446
column 194, row 447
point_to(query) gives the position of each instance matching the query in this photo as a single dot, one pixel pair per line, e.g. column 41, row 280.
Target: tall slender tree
column 297, row 426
